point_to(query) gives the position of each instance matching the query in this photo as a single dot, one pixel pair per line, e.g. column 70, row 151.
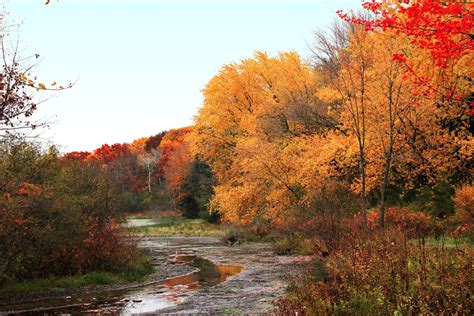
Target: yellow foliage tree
column 255, row 125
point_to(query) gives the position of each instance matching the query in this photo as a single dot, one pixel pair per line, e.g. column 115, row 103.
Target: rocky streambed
column 194, row 275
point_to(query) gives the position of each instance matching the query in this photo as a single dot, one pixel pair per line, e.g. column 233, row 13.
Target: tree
column 441, row 28
column 175, row 162
column 257, row 122
column 444, row 28
column 18, row 91
column 17, row 103
column 390, row 96
column 394, row 92
column 147, row 158
column 153, row 142
column 347, row 69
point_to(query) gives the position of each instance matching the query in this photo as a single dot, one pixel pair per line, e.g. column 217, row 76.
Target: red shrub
column 413, row 224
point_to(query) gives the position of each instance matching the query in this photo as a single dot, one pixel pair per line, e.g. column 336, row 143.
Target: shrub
column 57, row 216
column 188, row 206
column 387, row 273
column 436, row 200
column 211, row 216
column 464, row 201
column 321, row 215
column 414, row 224
column 132, row 202
column 294, row 243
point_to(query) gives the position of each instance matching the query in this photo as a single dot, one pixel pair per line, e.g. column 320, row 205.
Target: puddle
column 139, row 222
column 147, row 299
column 208, row 275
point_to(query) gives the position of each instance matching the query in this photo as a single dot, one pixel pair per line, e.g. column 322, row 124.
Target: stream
column 192, row 275
column 146, row 299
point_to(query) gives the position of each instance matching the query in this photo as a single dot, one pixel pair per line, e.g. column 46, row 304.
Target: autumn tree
column 19, row 88
column 392, row 97
column 257, row 118
column 17, row 100
column 443, row 29
column 346, row 58
column 175, row 162
column 147, row 158
column 153, row 142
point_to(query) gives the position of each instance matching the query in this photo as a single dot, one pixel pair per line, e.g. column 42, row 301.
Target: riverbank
column 262, row 279
column 176, row 226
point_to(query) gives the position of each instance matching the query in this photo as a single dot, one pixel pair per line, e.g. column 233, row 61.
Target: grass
column 233, row 310
column 449, row 242
column 139, row 215
column 138, row 272
column 176, row 226
column 58, row 284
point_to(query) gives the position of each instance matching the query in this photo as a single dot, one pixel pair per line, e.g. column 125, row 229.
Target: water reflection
column 208, row 275
column 147, row 299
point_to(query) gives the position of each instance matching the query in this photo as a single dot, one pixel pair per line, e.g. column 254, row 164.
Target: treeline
column 61, row 214
column 361, row 155
column 156, row 173
column 288, row 139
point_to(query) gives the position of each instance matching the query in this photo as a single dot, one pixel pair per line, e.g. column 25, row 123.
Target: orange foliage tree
column 175, row 160
column 257, row 123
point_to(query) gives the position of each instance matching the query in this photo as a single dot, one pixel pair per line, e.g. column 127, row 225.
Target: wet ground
column 139, row 222
column 193, row 275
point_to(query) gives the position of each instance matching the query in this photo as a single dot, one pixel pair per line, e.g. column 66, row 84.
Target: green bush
column 295, row 243
column 188, row 206
column 58, row 216
column 436, row 200
column 132, row 202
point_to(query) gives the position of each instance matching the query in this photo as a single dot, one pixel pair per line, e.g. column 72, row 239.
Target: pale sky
column 140, row 65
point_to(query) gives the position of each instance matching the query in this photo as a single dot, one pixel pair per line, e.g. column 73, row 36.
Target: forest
column 358, row 156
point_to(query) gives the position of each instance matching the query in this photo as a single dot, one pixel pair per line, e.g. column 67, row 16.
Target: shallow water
column 139, row 222
column 146, row 299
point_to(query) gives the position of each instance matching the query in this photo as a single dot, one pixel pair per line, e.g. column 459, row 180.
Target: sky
column 139, row 65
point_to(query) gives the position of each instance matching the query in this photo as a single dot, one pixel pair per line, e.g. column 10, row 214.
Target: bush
column 188, row 206
column 295, row 243
column 213, row 217
column 387, row 273
column 321, row 215
column 58, row 216
column 132, row 202
column 414, row 224
column 436, row 200
column 464, row 215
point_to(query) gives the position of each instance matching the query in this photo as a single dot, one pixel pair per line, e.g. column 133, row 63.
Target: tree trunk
column 149, row 178
column 383, row 193
column 388, row 157
column 363, row 210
